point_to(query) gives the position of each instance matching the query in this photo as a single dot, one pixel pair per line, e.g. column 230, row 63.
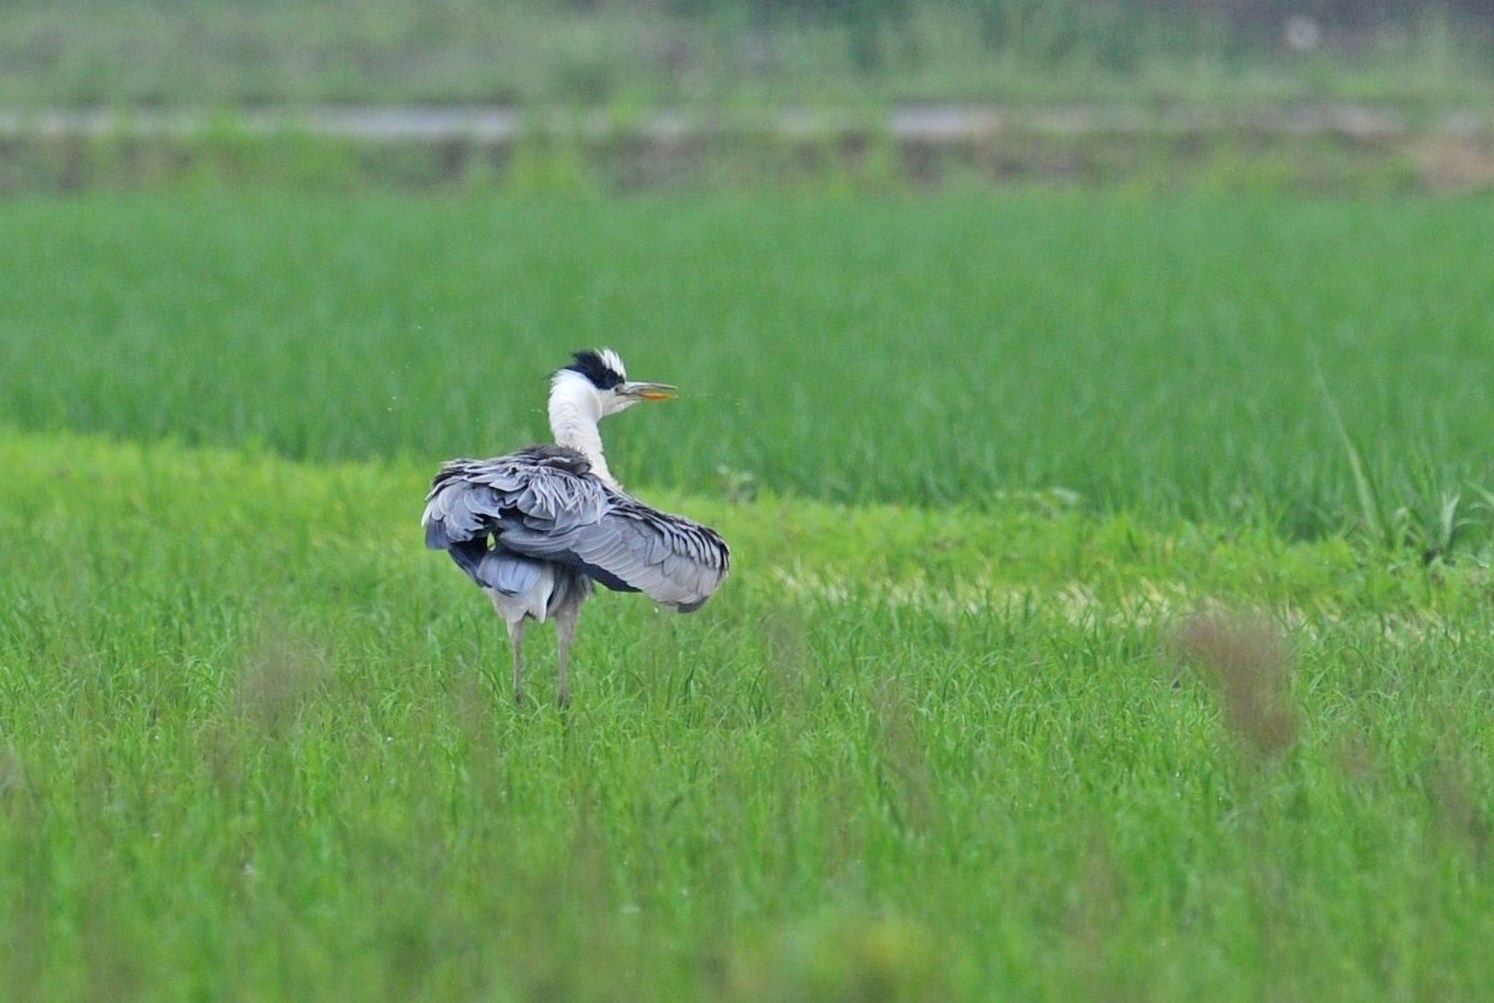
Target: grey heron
column 537, row 527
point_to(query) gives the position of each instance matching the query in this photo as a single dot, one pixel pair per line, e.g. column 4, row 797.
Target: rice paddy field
column 1111, row 613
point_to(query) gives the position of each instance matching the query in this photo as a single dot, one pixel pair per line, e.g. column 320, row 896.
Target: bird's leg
column 516, row 638
column 565, row 632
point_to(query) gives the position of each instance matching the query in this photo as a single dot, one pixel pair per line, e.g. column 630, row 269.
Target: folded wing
column 543, row 503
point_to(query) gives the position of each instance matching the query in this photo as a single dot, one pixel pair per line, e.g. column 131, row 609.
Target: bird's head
column 599, row 374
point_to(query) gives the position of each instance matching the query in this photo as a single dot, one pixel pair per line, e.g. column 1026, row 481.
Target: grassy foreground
column 254, row 744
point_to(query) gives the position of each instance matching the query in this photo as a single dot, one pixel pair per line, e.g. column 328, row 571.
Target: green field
column 1110, row 614
column 1175, row 357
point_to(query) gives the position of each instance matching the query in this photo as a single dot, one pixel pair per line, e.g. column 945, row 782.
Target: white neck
column 575, row 410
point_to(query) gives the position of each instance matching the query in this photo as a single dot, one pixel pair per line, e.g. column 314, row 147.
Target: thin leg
column 565, row 632
column 516, row 638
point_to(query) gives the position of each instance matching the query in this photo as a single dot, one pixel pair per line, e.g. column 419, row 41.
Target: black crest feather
column 590, row 364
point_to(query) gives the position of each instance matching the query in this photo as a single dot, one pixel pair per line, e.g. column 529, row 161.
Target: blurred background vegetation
column 645, row 94
column 590, row 52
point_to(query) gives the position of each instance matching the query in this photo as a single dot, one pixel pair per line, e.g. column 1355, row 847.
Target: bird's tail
column 507, row 572
column 497, row 569
column 468, row 554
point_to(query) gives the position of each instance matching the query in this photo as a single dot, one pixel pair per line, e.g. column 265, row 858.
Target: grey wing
column 539, row 491
column 634, row 548
column 543, row 503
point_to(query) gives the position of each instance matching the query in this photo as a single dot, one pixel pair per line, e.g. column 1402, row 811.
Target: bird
column 537, row 528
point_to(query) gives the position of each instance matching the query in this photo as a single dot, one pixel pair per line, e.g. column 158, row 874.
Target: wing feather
column 543, row 503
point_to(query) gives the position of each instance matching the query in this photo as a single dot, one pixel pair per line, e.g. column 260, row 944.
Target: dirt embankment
column 1320, row 147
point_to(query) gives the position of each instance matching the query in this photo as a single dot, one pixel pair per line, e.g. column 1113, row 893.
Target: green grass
column 255, row 743
column 1099, row 625
column 1175, row 357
